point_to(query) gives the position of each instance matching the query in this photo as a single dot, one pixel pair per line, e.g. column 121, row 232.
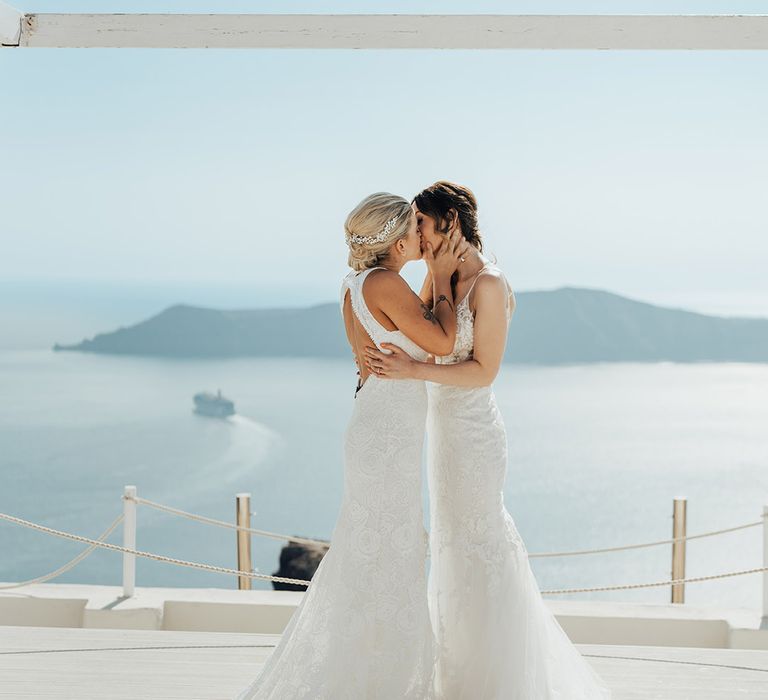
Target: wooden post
column 678, row 549
column 129, row 540
column 243, row 519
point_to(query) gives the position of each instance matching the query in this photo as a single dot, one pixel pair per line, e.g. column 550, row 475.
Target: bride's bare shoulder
column 386, row 281
column 492, row 285
column 491, row 279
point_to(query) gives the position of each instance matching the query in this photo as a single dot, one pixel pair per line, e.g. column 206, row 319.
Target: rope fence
column 223, row 523
column 656, row 584
column 672, row 540
column 532, row 555
column 95, row 543
column 149, row 555
column 70, row 564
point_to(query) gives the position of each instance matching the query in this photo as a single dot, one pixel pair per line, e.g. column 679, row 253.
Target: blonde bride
column 362, row 630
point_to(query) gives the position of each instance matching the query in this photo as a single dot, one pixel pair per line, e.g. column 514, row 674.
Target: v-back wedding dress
column 496, row 638
column 362, row 630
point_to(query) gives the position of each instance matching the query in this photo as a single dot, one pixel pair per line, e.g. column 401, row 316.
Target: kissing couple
column 376, row 623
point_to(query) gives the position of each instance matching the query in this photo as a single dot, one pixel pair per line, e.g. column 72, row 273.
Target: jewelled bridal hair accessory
column 373, row 226
column 379, row 237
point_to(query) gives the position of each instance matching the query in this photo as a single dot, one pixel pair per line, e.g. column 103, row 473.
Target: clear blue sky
column 644, row 173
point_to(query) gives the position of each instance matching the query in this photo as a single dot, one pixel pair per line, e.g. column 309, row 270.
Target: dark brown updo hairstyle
column 437, row 201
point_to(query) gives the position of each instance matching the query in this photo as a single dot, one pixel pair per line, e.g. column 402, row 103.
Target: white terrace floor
column 90, row 664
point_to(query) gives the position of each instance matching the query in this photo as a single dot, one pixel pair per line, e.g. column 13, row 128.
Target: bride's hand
column 398, row 365
column 448, row 257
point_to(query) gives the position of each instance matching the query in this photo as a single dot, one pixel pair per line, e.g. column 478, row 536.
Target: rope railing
column 223, row 523
column 656, row 584
column 280, row 579
column 149, row 555
column 531, row 555
column 71, row 563
column 672, row 540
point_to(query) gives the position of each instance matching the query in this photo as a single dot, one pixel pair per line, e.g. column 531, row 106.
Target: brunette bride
column 496, row 638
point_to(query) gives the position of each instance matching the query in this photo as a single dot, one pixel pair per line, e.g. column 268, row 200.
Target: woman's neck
column 473, row 263
column 393, row 266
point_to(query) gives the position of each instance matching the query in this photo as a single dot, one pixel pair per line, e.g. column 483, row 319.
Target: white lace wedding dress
column 496, row 638
column 362, row 630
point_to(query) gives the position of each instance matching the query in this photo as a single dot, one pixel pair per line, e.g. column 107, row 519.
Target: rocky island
column 561, row 326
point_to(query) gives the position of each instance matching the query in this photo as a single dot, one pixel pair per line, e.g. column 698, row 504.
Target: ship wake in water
column 251, row 443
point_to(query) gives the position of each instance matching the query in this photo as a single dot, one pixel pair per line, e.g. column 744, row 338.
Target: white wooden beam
column 617, row 32
column 10, row 25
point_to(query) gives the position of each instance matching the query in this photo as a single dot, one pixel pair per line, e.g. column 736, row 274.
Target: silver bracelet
column 442, row 297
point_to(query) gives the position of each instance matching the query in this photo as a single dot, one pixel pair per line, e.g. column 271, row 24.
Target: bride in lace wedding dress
column 362, row 630
column 496, row 638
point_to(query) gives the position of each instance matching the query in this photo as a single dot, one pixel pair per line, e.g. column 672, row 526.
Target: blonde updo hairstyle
column 368, row 219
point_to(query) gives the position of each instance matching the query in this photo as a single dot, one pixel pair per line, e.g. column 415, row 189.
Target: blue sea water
column 596, row 455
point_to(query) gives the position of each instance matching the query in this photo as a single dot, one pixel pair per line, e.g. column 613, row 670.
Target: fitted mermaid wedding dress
column 362, row 630
column 496, row 638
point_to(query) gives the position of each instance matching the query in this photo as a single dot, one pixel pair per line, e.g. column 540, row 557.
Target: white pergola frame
column 274, row 31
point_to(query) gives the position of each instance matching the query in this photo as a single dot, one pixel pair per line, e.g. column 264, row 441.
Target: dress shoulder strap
column 477, row 277
column 344, row 287
column 354, row 282
column 510, row 293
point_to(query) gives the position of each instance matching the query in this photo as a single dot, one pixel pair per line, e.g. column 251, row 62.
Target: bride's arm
column 426, row 292
column 431, row 328
column 492, row 297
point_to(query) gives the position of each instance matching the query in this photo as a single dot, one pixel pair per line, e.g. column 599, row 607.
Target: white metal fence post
column 129, row 540
column 764, row 624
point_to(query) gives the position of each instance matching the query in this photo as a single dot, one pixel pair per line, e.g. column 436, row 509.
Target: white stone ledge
column 267, row 612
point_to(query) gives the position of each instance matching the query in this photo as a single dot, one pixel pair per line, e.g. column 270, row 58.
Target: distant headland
column 561, row 326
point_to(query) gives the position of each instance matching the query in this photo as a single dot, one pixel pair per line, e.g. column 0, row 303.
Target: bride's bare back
column 395, row 306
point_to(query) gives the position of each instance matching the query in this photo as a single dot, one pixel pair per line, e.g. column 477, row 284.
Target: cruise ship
column 213, row 405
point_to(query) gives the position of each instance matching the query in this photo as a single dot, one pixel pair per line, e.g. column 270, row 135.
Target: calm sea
column 597, row 453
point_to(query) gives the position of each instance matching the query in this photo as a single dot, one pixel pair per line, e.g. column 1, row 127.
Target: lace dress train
column 497, row 639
